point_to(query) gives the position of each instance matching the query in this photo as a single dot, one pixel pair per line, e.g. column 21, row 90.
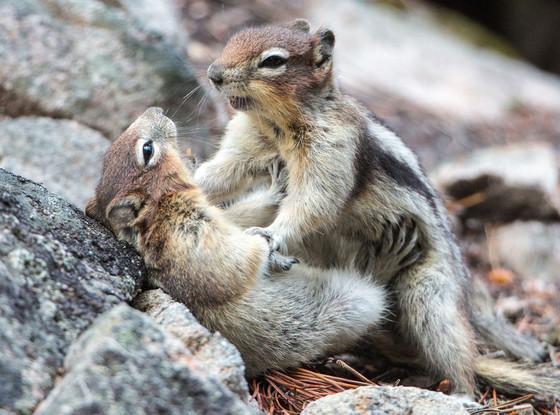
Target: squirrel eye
column 273, row 61
column 147, row 151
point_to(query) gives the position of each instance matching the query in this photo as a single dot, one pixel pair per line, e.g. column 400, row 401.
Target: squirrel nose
column 216, row 74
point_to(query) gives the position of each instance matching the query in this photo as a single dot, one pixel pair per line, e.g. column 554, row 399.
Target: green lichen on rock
column 126, row 364
column 58, row 271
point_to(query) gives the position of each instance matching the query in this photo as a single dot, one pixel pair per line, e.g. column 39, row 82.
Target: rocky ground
column 75, row 335
column 71, row 344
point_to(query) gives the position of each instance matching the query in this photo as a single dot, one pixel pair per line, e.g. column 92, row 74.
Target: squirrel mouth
column 240, row 103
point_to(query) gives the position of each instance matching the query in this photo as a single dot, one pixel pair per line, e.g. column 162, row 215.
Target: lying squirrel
column 195, row 253
column 349, row 178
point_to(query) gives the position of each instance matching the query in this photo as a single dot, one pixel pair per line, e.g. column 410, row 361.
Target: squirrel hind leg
column 308, row 315
column 431, row 318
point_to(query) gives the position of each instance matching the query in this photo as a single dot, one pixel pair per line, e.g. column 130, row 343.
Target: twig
column 347, row 367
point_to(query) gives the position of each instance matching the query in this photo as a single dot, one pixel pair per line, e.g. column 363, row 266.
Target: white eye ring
column 279, row 55
column 147, row 153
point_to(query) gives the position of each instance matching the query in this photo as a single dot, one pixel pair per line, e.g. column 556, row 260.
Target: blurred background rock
column 447, row 83
column 473, row 87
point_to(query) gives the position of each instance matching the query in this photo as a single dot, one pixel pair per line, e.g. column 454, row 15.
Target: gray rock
column 126, row 364
column 63, row 155
column 91, row 61
column 419, row 60
column 373, row 400
column 219, row 356
column 158, row 16
column 502, row 184
column 58, row 271
column 531, row 249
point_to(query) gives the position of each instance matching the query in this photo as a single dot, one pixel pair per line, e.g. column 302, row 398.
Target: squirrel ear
column 299, row 24
column 91, row 208
column 121, row 213
column 324, row 45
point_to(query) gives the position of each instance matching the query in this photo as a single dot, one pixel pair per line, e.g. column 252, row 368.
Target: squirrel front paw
column 273, row 241
column 277, row 261
column 280, row 263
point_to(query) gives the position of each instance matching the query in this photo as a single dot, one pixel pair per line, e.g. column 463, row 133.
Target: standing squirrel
column 349, row 178
column 147, row 196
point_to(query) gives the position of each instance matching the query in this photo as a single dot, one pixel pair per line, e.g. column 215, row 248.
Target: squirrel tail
column 518, row 378
column 496, row 333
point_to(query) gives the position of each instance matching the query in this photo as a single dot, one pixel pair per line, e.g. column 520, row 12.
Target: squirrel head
column 139, row 168
column 273, row 69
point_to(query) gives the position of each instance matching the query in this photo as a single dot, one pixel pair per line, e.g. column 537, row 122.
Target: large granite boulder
column 126, row 364
column 220, row 358
column 410, row 54
column 58, row 271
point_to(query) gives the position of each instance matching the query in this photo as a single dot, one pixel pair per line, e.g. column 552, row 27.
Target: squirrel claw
column 281, row 263
column 273, row 242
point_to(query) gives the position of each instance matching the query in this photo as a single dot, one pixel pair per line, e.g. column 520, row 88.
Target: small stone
column 500, row 276
column 381, row 400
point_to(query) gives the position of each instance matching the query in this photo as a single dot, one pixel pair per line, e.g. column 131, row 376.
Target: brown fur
column 225, row 276
column 349, row 178
column 251, row 42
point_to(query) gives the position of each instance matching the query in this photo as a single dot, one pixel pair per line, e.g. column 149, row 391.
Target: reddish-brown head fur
column 250, row 43
column 274, row 69
column 129, row 183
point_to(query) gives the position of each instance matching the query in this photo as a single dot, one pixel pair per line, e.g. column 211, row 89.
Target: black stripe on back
column 371, row 161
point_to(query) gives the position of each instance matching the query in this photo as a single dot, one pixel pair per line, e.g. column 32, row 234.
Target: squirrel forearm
column 222, row 177
column 241, row 156
column 256, row 209
column 314, row 199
